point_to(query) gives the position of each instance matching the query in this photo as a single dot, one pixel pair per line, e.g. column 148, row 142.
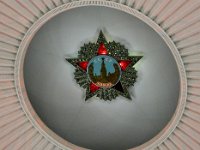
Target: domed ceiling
column 42, row 107
column 96, row 124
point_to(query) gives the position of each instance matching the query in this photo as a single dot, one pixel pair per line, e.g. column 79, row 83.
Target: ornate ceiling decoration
column 106, row 86
column 176, row 21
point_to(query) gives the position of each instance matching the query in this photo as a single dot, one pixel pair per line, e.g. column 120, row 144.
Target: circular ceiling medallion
column 171, row 125
column 104, row 71
column 167, row 18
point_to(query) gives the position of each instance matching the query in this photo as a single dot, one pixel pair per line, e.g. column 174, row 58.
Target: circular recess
column 59, row 101
column 177, row 22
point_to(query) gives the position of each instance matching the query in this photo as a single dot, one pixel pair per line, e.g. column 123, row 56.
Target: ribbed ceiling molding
column 177, row 22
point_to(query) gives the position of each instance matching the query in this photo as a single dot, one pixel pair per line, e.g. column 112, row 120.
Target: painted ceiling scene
column 99, row 74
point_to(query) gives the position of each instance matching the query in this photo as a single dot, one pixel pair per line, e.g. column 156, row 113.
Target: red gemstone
column 124, row 64
column 83, row 65
column 93, row 87
column 102, row 50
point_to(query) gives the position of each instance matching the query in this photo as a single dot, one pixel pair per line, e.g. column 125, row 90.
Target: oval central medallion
column 104, row 71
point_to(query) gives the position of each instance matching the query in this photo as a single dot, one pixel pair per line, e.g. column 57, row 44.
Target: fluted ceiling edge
column 15, row 105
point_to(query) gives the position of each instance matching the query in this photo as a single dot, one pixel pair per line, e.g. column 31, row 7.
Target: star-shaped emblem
column 105, row 69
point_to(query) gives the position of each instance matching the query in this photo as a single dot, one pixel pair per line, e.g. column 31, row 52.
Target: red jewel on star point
column 124, row 64
column 102, row 50
column 83, row 65
column 93, row 88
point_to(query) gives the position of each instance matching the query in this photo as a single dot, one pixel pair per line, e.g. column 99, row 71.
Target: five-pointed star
column 105, row 48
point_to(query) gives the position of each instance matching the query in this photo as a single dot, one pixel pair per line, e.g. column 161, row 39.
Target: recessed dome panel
column 97, row 124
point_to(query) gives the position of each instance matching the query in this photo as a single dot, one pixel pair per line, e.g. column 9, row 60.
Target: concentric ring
column 21, row 20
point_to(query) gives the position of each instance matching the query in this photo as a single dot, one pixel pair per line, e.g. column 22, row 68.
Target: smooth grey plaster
column 97, row 124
